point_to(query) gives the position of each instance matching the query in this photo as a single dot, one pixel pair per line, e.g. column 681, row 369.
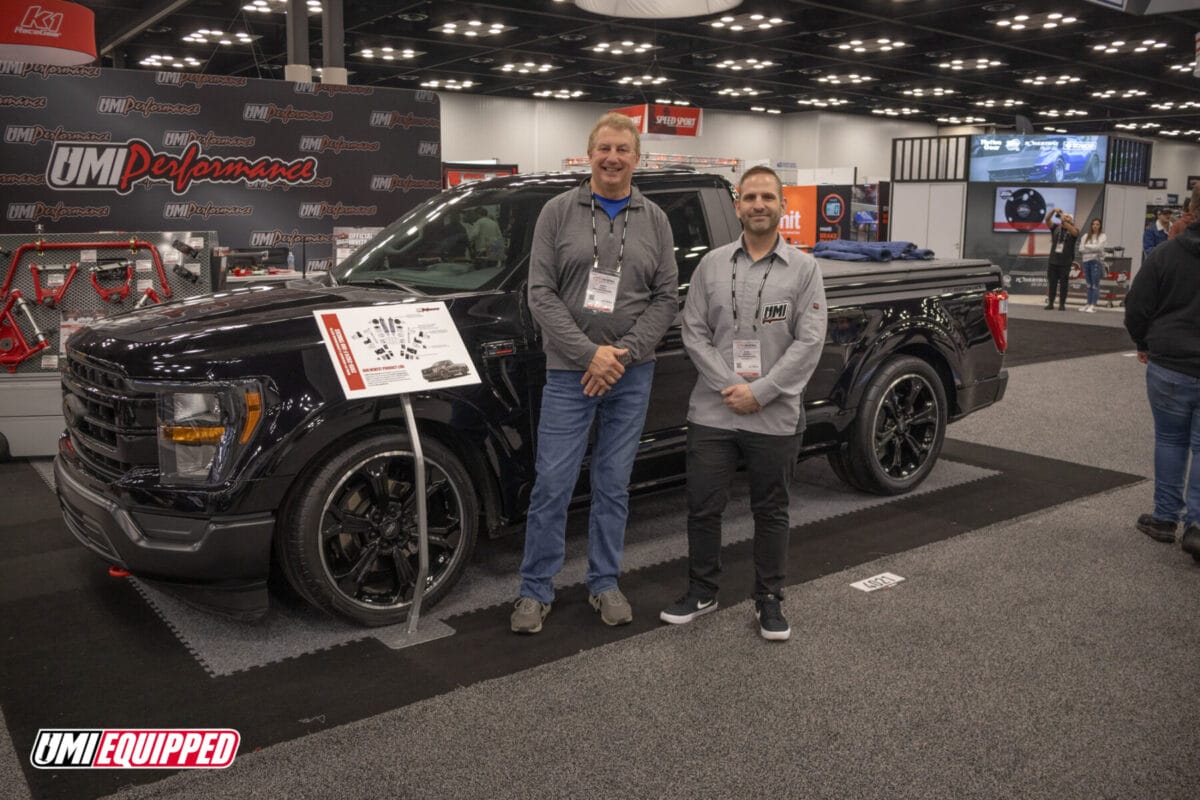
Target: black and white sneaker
column 686, row 609
column 771, row 623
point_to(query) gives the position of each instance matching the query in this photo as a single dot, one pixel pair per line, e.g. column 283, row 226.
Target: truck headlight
column 201, row 430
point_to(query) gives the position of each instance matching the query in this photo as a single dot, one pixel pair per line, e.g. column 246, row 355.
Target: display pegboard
column 68, row 280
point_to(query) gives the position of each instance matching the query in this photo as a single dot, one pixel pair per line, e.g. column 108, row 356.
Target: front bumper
column 220, row 563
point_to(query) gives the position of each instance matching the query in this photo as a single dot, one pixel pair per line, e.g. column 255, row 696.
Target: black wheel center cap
column 390, row 529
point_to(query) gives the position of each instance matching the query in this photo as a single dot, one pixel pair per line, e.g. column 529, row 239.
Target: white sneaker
column 1090, row 309
column 1085, row 308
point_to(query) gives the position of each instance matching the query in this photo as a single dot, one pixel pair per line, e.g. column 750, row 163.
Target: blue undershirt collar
column 611, row 207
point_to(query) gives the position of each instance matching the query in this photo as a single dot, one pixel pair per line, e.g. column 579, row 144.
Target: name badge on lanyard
column 747, row 358
column 601, row 295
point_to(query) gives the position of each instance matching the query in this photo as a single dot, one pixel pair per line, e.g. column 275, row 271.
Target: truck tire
column 348, row 542
column 898, row 432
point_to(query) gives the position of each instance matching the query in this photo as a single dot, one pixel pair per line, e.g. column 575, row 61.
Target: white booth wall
column 538, row 134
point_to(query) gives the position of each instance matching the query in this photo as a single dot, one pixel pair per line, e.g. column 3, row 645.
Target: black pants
column 712, row 455
column 1057, row 276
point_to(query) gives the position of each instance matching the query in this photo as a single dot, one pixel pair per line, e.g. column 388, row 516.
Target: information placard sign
column 395, row 349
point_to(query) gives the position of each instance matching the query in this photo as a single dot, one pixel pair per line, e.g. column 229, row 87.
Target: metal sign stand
column 414, row 613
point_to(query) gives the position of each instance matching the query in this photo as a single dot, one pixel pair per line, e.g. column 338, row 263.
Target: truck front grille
column 112, row 427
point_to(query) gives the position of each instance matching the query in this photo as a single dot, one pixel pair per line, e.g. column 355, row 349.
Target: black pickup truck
column 209, row 439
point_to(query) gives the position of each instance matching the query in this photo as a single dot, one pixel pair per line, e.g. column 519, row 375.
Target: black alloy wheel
column 897, row 435
column 352, row 545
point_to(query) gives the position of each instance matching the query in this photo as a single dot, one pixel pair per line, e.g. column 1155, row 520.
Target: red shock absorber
column 995, row 312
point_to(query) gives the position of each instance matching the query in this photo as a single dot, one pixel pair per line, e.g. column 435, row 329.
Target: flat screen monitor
column 1023, row 209
column 1037, row 158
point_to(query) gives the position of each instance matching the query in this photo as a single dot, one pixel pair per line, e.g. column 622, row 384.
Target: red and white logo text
column 135, row 748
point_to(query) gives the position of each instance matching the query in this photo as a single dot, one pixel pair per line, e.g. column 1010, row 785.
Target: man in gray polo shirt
column 603, row 290
column 754, row 327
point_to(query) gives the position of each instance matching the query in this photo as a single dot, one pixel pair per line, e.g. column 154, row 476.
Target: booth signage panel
column 395, row 349
column 266, row 163
column 798, row 224
column 659, row 120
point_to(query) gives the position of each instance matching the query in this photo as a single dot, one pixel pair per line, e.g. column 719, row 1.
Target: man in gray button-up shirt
column 603, row 290
column 754, row 327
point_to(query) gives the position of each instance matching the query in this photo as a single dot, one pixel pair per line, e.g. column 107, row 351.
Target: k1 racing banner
column 265, row 163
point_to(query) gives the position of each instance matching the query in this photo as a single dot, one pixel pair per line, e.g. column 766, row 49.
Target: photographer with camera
column 1063, row 235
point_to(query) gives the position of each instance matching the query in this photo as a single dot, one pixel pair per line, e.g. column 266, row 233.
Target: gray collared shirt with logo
column 791, row 332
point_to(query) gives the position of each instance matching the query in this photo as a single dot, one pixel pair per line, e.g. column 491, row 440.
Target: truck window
column 686, row 214
column 452, row 243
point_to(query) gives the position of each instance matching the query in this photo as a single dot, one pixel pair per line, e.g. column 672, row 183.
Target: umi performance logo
column 392, row 119
column 133, row 105
column 79, row 166
column 392, row 183
column 269, row 112
column 335, row 210
column 32, row 134
column 38, row 22
column 135, row 748
column 775, row 312
column 431, row 149
column 319, row 144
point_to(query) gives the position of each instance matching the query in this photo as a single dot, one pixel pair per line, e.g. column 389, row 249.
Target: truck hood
column 218, row 335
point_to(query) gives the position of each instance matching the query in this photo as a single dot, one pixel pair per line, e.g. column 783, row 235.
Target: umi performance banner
column 264, row 163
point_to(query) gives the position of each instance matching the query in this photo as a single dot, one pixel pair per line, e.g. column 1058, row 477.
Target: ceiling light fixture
column 896, row 112
column 448, row 83
column 740, row 64
column 953, row 120
column 765, row 110
column 206, row 36
column 178, row 62
column 747, row 22
column 871, row 45
column 1070, row 112
column 279, row 6
column 1124, row 94
column 1057, row 80
column 819, row 102
column 390, row 53
column 623, row 47
column 959, row 64
column 740, row 91
column 853, row 77
column 642, row 80
column 560, row 94
column 526, row 68
column 1006, row 103
column 936, row 91
column 473, row 28
column 1034, row 21
column 1123, row 47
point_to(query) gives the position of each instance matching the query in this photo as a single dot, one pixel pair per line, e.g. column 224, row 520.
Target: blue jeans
column 1092, row 272
column 1175, row 404
column 567, row 415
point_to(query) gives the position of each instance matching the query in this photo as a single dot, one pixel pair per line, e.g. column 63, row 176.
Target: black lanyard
column 596, row 242
column 761, row 286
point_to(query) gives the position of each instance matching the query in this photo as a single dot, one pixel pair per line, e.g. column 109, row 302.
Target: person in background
column 1156, row 234
column 1091, row 253
column 754, row 326
column 487, row 242
column 1189, row 216
column 1063, row 235
column 1162, row 315
column 603, row 289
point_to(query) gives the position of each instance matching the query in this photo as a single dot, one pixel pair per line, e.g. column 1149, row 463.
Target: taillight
column 995, row 312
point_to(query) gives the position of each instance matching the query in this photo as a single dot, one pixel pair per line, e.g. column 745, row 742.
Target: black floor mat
column 85, row 651
column 1035, row 341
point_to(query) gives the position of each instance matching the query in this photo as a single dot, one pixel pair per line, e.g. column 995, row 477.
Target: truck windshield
column 462, row 241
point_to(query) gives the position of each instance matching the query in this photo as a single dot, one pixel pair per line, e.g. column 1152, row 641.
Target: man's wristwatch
column 625, row 359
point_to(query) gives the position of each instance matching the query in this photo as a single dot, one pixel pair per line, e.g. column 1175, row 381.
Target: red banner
column 664, row 120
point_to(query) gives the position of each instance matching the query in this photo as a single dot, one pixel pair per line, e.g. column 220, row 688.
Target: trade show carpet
column 83, row 650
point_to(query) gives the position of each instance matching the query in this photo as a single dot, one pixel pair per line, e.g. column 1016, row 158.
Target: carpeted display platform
column 83, row 650
column 1032, row 341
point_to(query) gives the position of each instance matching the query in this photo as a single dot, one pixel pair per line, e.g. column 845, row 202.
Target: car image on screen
column 1038, row 159
column 444, row 371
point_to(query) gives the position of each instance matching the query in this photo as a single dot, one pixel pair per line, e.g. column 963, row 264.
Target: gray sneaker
column 613, row 607
column 528, row 614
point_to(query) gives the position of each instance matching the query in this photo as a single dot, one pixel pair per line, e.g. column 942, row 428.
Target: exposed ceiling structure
column 1066, row 65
